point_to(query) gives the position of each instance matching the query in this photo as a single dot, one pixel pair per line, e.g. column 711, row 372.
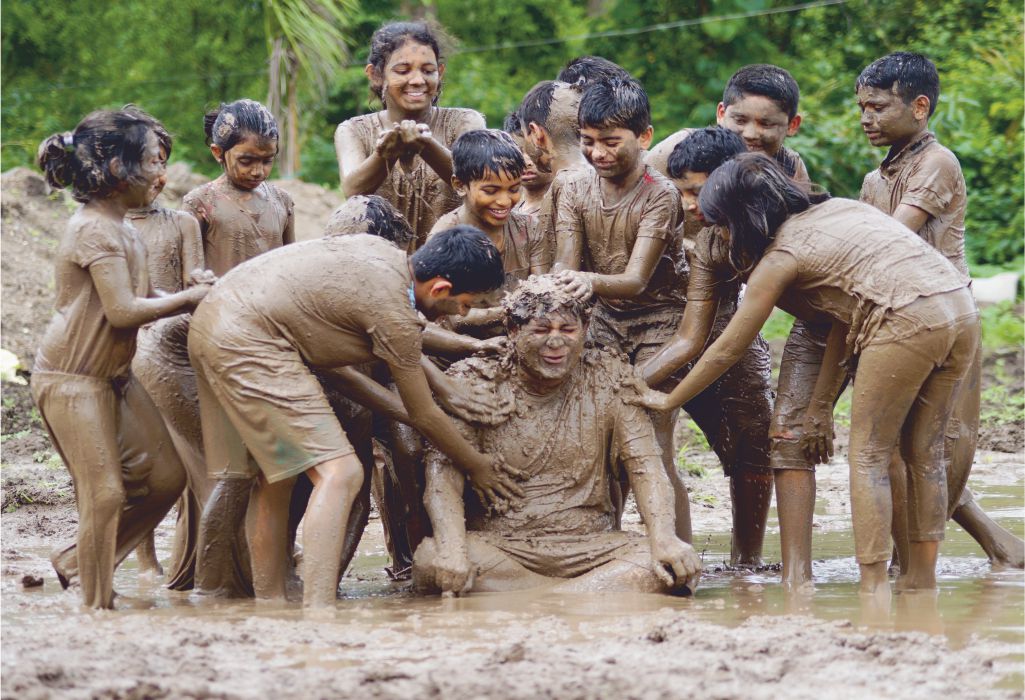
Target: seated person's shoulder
column 482, row 376
column 608, row 369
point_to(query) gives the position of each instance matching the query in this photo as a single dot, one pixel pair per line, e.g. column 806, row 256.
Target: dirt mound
column 34, row 218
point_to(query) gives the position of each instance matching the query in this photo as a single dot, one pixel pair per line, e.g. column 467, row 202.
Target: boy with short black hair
column 535, row 183
column 616, row 232
column 760, row 103
column 584, row 70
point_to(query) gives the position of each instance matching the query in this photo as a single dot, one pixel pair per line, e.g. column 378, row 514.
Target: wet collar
column 893, row 161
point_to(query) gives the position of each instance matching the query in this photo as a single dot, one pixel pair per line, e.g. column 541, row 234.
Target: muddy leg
column 795, row 504
column 146, row 554
column 493, row 570
column 899, row 526
column 268, row 538
column 1002, row 548
column 664, row 424
column 750, row 496
column 218, row 535
column 336, row 484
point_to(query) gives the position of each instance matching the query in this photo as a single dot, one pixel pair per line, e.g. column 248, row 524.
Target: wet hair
column 765, row 80
column 464, row 256
column 752, row 196
column 80, row 159
column 912, row 73
column 704, row 150
column 584, row 70
column 512, row 125
column 615, row 104
column 370, row 214
column 539, row 296
column 537, row 104
column 480, row 151
column 231, row 123
column 393, row 36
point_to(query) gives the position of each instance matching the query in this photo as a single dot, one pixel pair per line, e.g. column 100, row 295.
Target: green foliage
column 692, row 444
column 778, row 326
column 1002, row 326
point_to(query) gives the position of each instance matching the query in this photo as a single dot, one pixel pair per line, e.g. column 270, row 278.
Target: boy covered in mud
column 920, row 184
column 274, row 318
column 534, row 182
column 570, row 431
column 617, row 237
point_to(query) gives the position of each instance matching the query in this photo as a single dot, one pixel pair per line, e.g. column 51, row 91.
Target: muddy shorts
column 567, row 556
column 636, row 335
column 266, row 413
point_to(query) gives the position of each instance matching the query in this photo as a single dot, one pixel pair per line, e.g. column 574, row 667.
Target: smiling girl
column 402, row 152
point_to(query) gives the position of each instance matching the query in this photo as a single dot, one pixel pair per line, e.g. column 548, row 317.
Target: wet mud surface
column 739, row 637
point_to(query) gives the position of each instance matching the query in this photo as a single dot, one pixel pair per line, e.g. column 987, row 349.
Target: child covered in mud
column 894, row 304
column 269, row 323
column 111, row 437
column 240, row 214
column 617, row 239
column 571, row 429
column 734, row 411
column 534, row 183
column 401, row 153
column 920, row 184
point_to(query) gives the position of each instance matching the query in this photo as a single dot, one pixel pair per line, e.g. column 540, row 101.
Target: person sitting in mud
column 268, row 322
column 570, row 431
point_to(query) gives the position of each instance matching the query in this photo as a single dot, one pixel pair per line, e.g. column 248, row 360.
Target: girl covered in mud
column 402, row 152
column 893, row 303
column 240, row 214
column 126, row 472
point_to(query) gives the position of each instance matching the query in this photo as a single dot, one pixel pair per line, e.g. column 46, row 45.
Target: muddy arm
column 192, row 248
column 288, row 235
column 443, row 498
column 690, row 338
column 817, row 429
column 441, row 341
column 360, row 172
column 911, row 216
column 569, row 237
column 625, row 285
column 364, row 390
column 125, row 310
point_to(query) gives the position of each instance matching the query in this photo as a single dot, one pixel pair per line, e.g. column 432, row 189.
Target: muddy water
column 379, row 625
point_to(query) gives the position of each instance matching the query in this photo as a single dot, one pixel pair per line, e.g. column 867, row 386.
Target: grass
column 1002, row 326
column 693, row 442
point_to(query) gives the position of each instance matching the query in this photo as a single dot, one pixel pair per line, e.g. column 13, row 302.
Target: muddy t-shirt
column 235, row 229
column 166, row 233
column 417, row 193
column 856, row 263
column 547, row 213
column 608, row 232
column 79, row 338
column 568, row 444
column 337, row 301
column 522, row 245
column 926, row 175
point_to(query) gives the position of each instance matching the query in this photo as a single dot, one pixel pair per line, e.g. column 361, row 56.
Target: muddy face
column 249, row 162
column 759, row 121
column 535, row 147
column 161, row 181
column 689, row 184
column 440, row 302
column 412, row 77
column 144, row 188
column 548, row 348
column 531, row 178
column 492, row 198
column 614, row 153
column 886, row 119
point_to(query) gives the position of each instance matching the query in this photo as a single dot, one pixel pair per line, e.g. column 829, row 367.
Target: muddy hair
column 393, row 36
column 513, row 125
column 765, row 80
column 615, row 104
column 481, row 151
column 370, row 214
column 704, row 150
column 463, row 255
column 80, row 159
column 231, row 123
column 584, row 70
column 752, row 196
column 537, row 105
column 912, row 73
column 539, row 296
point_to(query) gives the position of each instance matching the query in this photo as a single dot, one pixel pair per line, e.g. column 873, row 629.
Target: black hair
column 370, row 214
column 512, row 125
column 912, row 73
column 477, row 152
column 615, row 103
column 463, row 255
column 584, row 70
column 752, row 196
column 80, row 159
column 537, row 104
column 230, row 123
column 704, row 150
column 766, row 80
column 392, row 36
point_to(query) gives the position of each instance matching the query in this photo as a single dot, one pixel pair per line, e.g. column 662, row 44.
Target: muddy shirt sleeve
column 705, row 271
column 933, row 184
column 446, row 222
column 396, row 335
column 95, row 241
column 633, row 435
column 539, row 253
column 660, row 216
column 194, row 203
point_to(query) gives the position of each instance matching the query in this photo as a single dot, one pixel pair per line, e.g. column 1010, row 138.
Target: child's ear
column 536, row 134
column 218, row 153
column 720, row 113
column 116, row 167
column 920, row 107
column 794, row 125
column 645, row 138
column 458, row 186
column 440, row 288
column 371, row 74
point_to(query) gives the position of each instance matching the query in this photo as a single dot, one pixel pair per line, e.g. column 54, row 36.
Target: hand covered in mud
column 643, row 395
column 497, row 345
column 195, row 294
column 576, row 284
column 676, row 564
column 494, row 480
column 817, row 433
column 452, row 571
column 389, row 144
column 201, row 276
column 414, row 136
column 475, row 403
